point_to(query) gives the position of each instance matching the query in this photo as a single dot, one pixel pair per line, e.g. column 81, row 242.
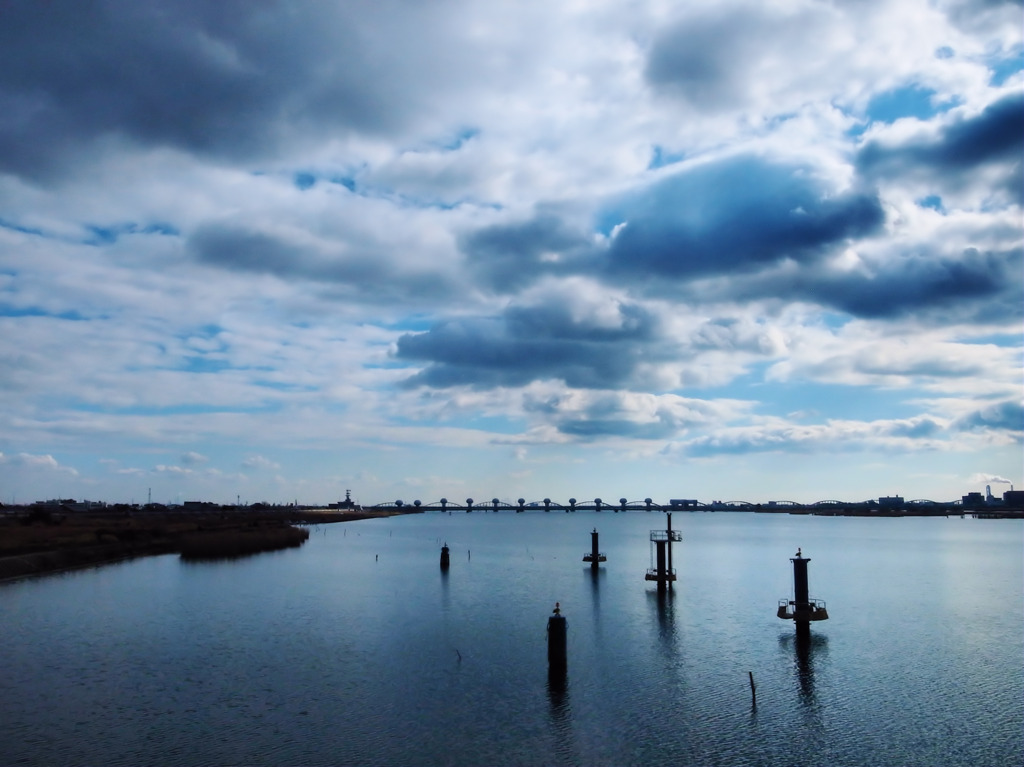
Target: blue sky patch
column 460, row 138
column 108, row 235
column 349, row 182
column 909, row 101
column 414, row 323
column 661, row 157
column 817, row 402
column 197, row 364
column 1003, row 69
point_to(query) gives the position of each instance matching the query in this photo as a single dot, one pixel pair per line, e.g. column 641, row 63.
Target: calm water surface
column 356, row 649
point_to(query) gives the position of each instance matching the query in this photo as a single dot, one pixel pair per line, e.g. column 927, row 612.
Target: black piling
column 801, row 608
column 595, row 557
column 660, row 559
column 445, row 560
column 557, row 631
column 800, row 589
column 668, row 529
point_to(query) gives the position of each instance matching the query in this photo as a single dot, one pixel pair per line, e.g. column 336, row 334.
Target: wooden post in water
column 753, row 689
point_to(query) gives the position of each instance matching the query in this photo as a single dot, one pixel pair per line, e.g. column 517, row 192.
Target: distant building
column 891, row 502
column 973, row 501
column 1014, row 499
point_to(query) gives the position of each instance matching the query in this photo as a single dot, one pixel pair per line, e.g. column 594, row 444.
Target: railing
column 654, row 574
column 666, row 535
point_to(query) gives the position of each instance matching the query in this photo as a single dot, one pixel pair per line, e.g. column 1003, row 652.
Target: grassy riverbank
column 35, row 543
column 226, row 544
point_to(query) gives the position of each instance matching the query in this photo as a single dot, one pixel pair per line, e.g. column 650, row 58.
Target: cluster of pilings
column 662, row 540
column 802, row 609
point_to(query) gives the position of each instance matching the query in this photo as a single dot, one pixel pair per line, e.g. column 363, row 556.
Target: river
column 357, row 649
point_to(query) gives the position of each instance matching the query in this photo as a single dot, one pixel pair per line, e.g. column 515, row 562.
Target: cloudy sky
column 616, row 248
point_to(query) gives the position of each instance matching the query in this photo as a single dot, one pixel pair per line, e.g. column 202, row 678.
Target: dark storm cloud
column 979, row 285
column 231, row 78
column 533, row 343
column 507, row 257
column 738, row 215
column 995, row 136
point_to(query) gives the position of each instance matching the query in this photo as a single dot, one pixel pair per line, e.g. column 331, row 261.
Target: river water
column 357, row 649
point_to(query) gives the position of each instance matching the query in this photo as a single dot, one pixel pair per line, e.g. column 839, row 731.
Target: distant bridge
column 882, row 507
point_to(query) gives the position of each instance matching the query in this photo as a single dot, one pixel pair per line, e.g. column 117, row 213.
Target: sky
column 737, row 251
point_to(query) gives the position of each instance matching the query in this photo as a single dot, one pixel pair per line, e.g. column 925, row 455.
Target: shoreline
column 36, row 547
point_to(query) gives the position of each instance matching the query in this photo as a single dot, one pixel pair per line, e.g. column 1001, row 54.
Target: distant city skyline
column 739, row 251
column 1011, row 499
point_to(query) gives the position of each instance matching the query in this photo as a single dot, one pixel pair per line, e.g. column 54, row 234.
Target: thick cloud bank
column 280, row 250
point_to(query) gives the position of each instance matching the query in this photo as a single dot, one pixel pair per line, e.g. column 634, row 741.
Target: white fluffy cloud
column 326, row 244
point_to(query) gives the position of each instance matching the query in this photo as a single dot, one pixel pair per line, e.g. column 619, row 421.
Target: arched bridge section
column 830, row 507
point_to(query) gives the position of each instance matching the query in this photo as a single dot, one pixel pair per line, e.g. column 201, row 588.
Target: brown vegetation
column 224, row 544
column 35, row 541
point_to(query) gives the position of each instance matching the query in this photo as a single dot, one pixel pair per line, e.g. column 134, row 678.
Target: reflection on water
column 561, row 716
column 665, row 608
column 804, row 647
column 357, row 649
column 594, row 576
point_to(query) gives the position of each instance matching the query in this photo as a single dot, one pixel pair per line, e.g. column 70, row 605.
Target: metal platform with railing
column 812, row 610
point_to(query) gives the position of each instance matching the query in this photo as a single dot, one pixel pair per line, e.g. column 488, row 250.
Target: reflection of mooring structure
column 595, row 556
column 662, row 541
column 802, row 608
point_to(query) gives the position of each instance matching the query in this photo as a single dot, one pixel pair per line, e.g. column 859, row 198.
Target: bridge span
column 880, row 507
